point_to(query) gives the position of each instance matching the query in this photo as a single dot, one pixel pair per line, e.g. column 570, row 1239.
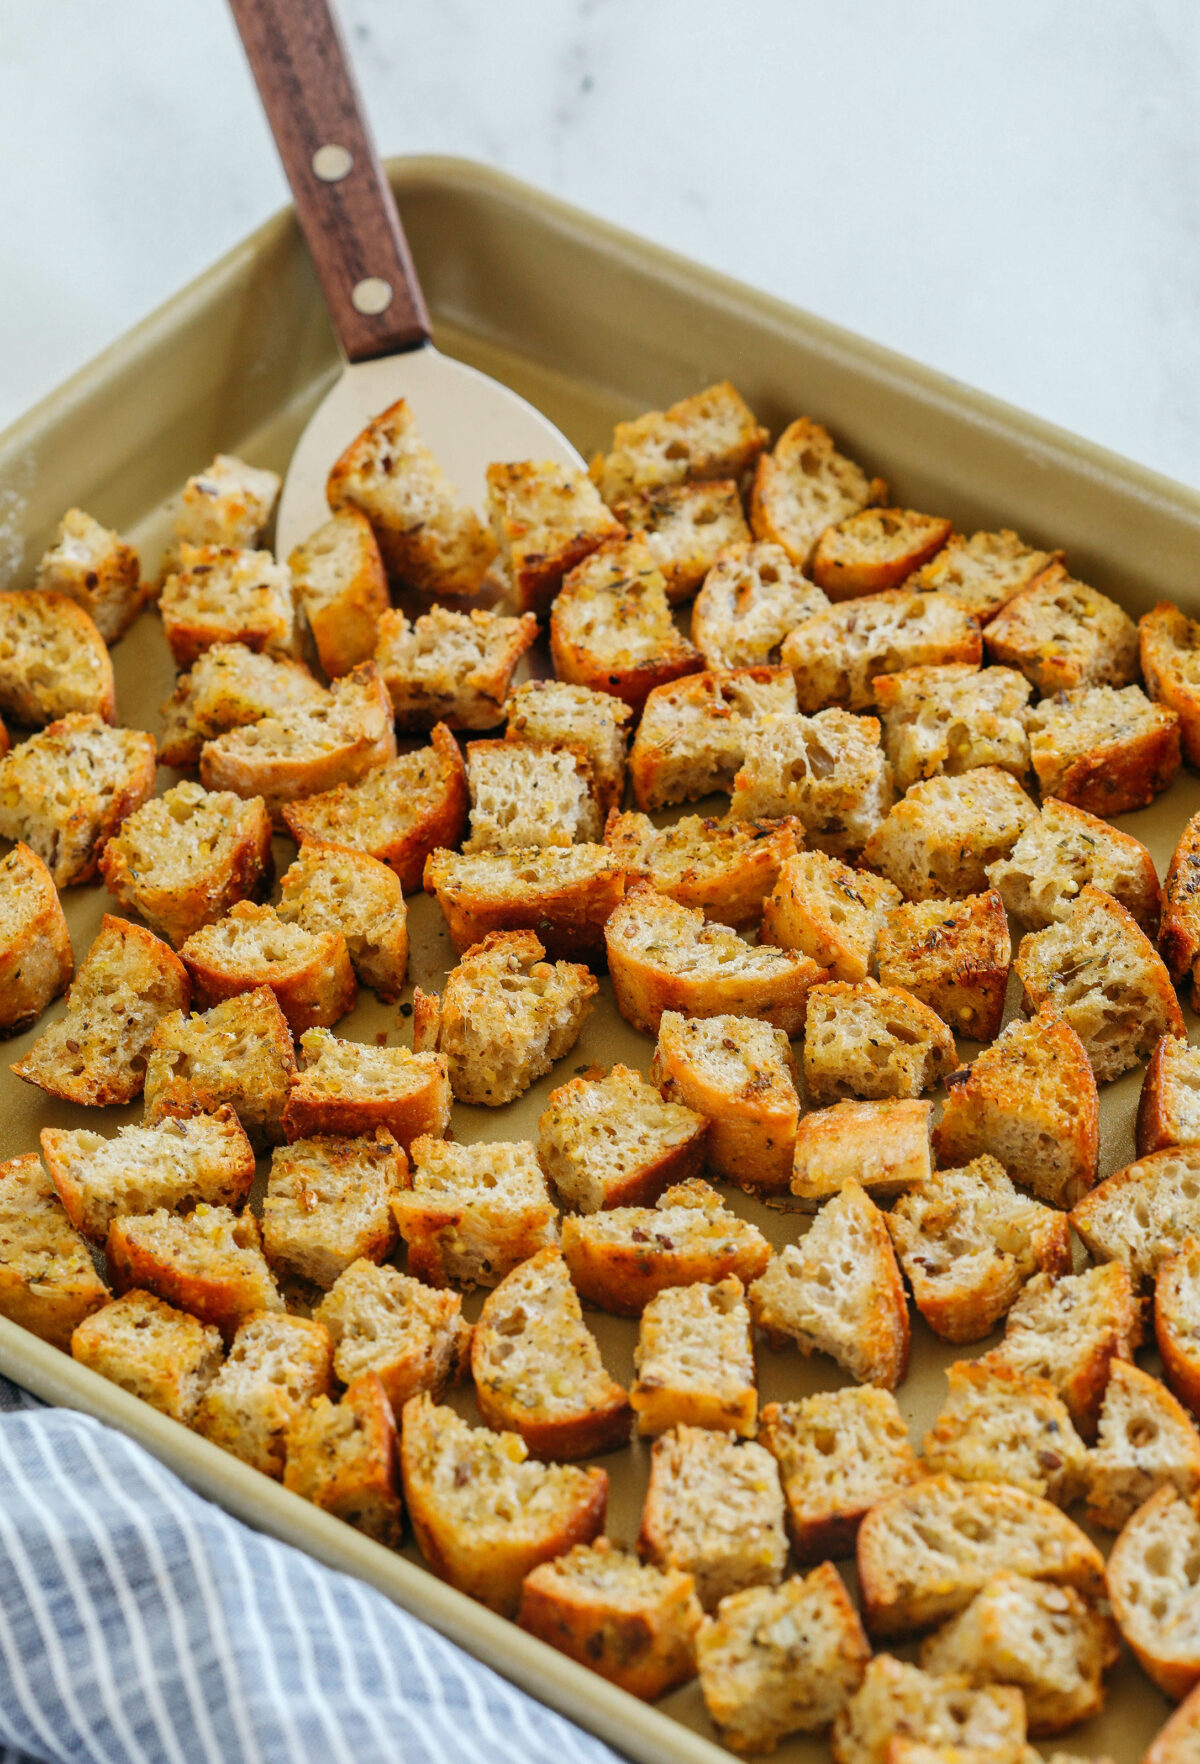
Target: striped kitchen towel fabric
column 140, row 1624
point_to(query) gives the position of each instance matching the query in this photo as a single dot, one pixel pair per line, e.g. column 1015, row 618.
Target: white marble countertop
column 1006, row 189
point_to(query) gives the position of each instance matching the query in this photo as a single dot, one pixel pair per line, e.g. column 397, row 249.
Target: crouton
column 97, row 1052
column 737, row 1073
column 939, row 840
column 1144, row 1212
column 209, row 1262
column 426, row 536
column 999, row 1424
column 686, row 527
column 164, row 1356
column 752, row 597
column 228, row 687
column 724, row 867
column 875, row 548
column 711, row 434
column 1169, row 1105
column 611, row 626
column 806, row 486
column 985, row 571
column 219, row 594
column 897, row 1699
column 36, row 959
column 450, row 667
column 829, row 912
column 1062, row 850
column 662, row 956
column 1176, row 1741
column 183, row 858
column 1104, row 749
column 714, row 1508
column 1152, row 1586
column 527, row 793
column 694, row 733
column 66, row 790
column 341, row 586
column 347, row 1087
column 952, row 719
column 47, row 1281
column 608, row 1139
column 276, row 1365
column 620, row 1257
column 1168, row 641
column 839, row 1452
column 1177, row 1319
column 483, row 1515
column 308, row 971
column 53, row 661
column 1179, row 932
column 545, row 518
column 329, row 1203
column 564, row 893
column 505, row 1017
column 98, row 570
column 1147, row 1441
column 954, row 956
column 865, row 1040
column 839, row 1292
column 591, row 724
column 1030, row 1100
column 632, row 1623
column 1069, row 1331
column 695, row 1360
column 171, row 1165
column 345, row 1458
column 828, row 770
column 925, row 1552
column 781, row 1660
column 883, row 1145
column 228, row 503
column 240, row 1053
column 838, row 655
column 330, row 888
column 968, row 1242
column 1060, row 633
column 382, row 1321
column 470, row 1214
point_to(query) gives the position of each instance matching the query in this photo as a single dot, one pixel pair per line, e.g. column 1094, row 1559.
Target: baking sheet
column 592, row 325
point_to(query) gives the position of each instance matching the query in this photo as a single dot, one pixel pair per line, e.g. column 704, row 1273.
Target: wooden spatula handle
column 346, row 208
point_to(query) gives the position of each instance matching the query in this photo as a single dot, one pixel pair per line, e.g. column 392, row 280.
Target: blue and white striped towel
column 139, row 1624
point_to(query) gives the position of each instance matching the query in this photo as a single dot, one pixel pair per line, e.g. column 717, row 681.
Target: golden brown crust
column 687, row 527
column 1152, row 1590
column 345, row 1459
column 1169, row 1105
column 310, row 975
column 804, row 486
column 874, row 549
column 564, row 894
column 593, row 1165
column 546, row 519
column 954, row 956
column 1179, row 927
column 343, row 613
column 47, row 1281
column 1062, row 633
column 36, row 960
column 884, row 1145
column 210, row 1264
column 611, row 626
column 740, row 1074
column 1178, row 1741
column 726, row 866
column 1168, row 640
column 415, row 1099
column 67, row 789
column 1176, row 1320
column 1125, row 767
column 53, row 660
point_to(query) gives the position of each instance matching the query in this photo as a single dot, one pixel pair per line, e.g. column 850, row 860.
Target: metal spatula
column 349, row 218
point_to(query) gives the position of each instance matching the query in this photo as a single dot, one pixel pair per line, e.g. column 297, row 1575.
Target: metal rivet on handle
column 371, row 296
column 332, row 163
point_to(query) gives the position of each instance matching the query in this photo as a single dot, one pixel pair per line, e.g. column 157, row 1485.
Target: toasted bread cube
column 1103, row 749
column 714, row 1508
column 829, row 912
column 566, row 893
column 897, row 1699
column 240, row 1053
column 1062, row 850
column 426, row 536
column 66, row 790
column 875, row 548
column 828, row 770
column 383, row 1321
column 839, row 1292
column 1144, row 1212
column 36, row 959
column 329, row 1203
column 1168, row 642
column 308, row 971
column 1069, row 1331
column 209, row 1262
column 47, row 1282
column 341, row 586
column 632, row 1623
column 953, row 955
column 883, row 1145
column 620, row 1257
column 97, row 1052
column 781, row 1660
column 1175, row 1742
column 1060, row 633
column 725, row 867
column 686, row 527
column 546, row 518
column 470, row 1214
column 1030, row 1100
column 164, row 1356
column 1147, row 1441
column 662, row 956
column 592, row 724
column 505, row 1017
column 1177, row 1319
column 940, row 838
column 739, row 1074
column 839, row 1452
column 608, row 1139
column 712, row 434
column 228, row 503
column 220, row 594
column 1152, row 1586
column 349, row 1088
column 183, row 858
column 1169, row 1105
column 228, row 687
column 483, row 1515
column 345, row 1458
column 1179, row 932
column 527, row 793
column 985, row 571
column 450, row 667
column 171, row 1165
column 53, row 661
column 865, row 1040
column 331, row 888
column 952, row 719
column 693, row 733
column 805, row 486
column 1045, row 1640
column 97, row 569
column 275, row 1366
column 695, row 1360
column 752, row 597
column 611, row 626
column 968, row 1242
column 999, row 1424
column 838, row 655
